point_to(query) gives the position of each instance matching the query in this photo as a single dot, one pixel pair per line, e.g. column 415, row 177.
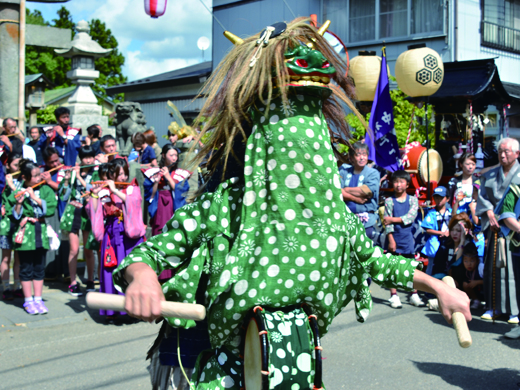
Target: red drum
column 417, row 162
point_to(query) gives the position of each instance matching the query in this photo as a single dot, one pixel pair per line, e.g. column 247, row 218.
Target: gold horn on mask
column 324, row 27
column 233, row 38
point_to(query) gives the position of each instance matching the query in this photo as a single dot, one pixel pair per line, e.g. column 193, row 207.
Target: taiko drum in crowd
column 417, row 163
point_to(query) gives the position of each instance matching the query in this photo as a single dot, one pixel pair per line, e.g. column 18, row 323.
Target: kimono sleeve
column 48, row 195
column 148, row 200
column 389, row 212
column 372, row 181
column 385, row 269
column 71, row 150
column 133, row 213
column 484, row 204
column 508, row 206
column 96, row 217
column 64, row 192
column 176, row 245
column 181, row 189
column 430, row 221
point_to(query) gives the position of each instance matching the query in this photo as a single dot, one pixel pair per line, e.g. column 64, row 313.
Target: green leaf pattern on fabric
column 282, row 237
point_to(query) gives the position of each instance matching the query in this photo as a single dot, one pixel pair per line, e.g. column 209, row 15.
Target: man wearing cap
column 360, row 187
column 501, row 289
column 436, row 225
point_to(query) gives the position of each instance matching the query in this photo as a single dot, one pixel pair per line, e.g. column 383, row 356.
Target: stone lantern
column 83, row 104
column 35, row 94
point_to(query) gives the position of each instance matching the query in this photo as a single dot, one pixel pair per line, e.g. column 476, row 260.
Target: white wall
column 468, row 42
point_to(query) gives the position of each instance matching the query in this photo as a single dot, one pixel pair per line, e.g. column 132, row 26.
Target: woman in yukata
column 117, row 223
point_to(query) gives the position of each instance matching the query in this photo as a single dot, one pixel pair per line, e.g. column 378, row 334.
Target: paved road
column 410, row 348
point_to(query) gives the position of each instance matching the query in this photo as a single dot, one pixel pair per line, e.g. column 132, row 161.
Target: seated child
column 466, row 275
column 436, row 225
column 449, row 253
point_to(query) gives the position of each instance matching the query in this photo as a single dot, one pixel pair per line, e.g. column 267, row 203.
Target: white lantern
column 419, row 71
column 155, row 8
column 365, row 69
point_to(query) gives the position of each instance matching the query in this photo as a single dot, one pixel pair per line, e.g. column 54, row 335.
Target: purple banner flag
column 382, row 146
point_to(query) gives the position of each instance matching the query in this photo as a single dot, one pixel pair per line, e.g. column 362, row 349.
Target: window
column 369, row 20
column 82, row 62
column 500, row 27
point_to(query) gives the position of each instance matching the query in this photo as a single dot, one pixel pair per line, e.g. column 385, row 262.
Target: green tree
column 110, row 67
column 46, row 116
column 45, row 60
column 35, row 17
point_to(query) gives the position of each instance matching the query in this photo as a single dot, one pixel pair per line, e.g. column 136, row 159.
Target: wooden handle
column 459, row 321
column 187, row 311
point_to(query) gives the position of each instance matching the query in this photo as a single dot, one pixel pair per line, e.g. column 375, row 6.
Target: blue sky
column 150, row 46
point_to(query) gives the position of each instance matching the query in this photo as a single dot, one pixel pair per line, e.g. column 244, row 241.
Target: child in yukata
column 466, row 275
column 436, row 225
column 400, row 212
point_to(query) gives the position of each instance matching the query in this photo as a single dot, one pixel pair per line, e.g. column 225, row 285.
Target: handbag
column 110, row 259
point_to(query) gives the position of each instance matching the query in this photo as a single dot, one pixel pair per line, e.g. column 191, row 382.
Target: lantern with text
column 365, row 69
column 419, row 71
column 155, row 8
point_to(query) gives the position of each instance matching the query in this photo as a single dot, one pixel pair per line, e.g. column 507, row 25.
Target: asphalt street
column 408, row 348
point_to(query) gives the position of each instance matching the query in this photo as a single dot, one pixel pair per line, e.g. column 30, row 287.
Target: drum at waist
column 281, row 348
column 422, row 162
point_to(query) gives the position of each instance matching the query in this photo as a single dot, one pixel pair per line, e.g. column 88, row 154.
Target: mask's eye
column 302, row 63
column 325, row 64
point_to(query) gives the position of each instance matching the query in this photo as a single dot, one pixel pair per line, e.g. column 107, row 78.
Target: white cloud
column 138, row 66
column 150, row 46
column 168, row 43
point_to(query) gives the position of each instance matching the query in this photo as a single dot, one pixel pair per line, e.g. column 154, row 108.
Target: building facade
column 459, row 30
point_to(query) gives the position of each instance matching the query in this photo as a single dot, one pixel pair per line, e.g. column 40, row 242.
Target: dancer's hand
column 144, row 294
column 452, row 300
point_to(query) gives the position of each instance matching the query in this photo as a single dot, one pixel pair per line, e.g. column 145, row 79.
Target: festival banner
column 383, row 147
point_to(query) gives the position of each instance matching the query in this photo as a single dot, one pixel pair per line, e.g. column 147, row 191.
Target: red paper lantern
column 155, row 8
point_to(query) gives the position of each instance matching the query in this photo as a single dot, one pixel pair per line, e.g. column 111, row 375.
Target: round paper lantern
column 365, row 69
column 419, row 71
column 155, row 8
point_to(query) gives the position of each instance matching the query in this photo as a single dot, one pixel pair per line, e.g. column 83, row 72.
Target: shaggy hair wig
column 235, row 86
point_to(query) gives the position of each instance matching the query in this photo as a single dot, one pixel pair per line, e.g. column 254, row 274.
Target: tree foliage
column 110, row 67
column 45, row 60
column 402, row 116
column 46, row 116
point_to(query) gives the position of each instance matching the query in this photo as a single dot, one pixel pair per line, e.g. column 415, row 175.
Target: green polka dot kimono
column 282, row 237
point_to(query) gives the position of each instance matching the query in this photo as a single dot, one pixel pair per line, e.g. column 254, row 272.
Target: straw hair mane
column 234, row 87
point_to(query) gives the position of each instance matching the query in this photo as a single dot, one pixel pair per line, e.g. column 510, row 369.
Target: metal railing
column 500, row 37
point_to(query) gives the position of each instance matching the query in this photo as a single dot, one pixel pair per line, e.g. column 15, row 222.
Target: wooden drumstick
column 187, row 311
column 459, row 321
